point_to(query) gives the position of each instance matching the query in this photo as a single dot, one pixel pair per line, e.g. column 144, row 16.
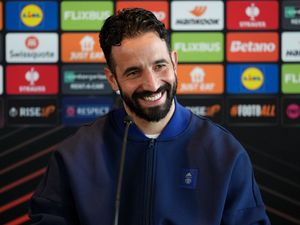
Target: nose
column 150, row 81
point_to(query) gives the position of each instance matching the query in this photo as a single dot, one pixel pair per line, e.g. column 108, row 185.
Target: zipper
column 149, row 183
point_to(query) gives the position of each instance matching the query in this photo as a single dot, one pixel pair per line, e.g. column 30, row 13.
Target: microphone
column 128, row 121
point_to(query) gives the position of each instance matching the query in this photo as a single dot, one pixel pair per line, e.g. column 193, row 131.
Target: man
column 180, row 169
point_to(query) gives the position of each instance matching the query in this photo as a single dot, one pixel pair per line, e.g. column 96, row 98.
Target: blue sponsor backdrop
column 49, row 16
column 234, row 84
column 81, row 110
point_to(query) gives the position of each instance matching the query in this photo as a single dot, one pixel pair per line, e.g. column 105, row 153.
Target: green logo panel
column 290, row 80
column 198, row 47
column 80, row 15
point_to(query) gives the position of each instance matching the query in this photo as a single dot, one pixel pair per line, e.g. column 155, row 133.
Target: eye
column 132, row 73
column 159, row 67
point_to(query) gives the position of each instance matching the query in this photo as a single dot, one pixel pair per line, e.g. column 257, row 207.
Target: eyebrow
column 133, row 68
column 161, row 61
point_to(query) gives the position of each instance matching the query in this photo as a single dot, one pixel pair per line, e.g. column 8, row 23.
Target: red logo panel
column 32, row 80
column 252, row 15
column 252, row 47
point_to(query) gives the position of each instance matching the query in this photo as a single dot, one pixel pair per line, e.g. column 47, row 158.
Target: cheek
column 170, row 76
column 128, row 88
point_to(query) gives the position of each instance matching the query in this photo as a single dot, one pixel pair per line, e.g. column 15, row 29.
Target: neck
column 151, row 127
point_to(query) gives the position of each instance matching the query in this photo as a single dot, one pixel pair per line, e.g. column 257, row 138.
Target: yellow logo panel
column 252, row 78
column 31, row 15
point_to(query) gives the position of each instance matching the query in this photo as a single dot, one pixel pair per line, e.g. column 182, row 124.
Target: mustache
column 142, row 94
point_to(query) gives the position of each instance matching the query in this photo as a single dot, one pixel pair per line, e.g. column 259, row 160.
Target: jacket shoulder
column 217, row 140
column 86, row 136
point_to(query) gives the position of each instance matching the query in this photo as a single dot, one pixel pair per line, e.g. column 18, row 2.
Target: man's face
column 145, row 75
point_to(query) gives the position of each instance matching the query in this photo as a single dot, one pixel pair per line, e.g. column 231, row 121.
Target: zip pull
column 151, row 143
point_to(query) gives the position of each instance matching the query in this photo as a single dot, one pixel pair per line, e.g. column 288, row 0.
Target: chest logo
column 188, row 178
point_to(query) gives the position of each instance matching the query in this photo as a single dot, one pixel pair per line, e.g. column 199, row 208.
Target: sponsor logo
column 32, row 111
column 81, row 47
column 198, row 47
column 291, row 111
column 257, row 47
column 291, row 15
column 252, row 11
column 43, row 112
column 84, row 15
column 32, row 80
column 208, row 111
column 84, row 80
column 198, row 15
column 86, row 111
column 252, row 111
column 199, row 10
column 252, row 15
column 1, row 80
column 207, row 107
column 290, row 81
column 250, row 46
column 1, row 15
column 290, row 51
column 252, row 78
column 200, row 79
column 31, row 47
column 159, row 8
column 22, row 15
column 77, row 111
column 32, row 42
column 31, row 15
column 291, row 12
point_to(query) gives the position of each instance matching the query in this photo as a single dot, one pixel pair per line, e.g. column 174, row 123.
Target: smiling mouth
column 153, row 97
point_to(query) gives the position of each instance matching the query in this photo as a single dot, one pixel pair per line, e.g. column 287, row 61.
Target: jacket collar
column 177, row 124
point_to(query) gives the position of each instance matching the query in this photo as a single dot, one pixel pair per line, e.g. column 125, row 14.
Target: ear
column 111, row 79
column 174, row 59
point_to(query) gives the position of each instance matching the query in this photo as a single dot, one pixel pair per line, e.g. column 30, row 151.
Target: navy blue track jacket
column 194, row 173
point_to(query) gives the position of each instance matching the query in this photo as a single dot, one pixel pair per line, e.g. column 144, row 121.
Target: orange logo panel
column 255, row 47
column 160, row 9
column 1, row 15
column 200, row 79
column 81, row 47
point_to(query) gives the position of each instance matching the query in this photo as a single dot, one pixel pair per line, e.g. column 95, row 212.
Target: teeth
column 153, row 97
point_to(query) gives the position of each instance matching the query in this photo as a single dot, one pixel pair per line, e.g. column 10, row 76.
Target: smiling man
column 145, row 76
column 142, row 68
column 180, row 169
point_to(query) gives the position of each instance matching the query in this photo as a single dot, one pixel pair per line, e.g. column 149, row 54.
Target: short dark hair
column 129, row 23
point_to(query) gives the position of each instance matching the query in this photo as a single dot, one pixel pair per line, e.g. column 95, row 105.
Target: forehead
column 145, row 47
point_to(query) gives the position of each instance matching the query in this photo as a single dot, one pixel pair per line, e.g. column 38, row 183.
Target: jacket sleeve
column 52, row 201
column 244, row 204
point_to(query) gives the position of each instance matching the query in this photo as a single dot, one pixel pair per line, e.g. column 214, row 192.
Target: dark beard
column 151, row 114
